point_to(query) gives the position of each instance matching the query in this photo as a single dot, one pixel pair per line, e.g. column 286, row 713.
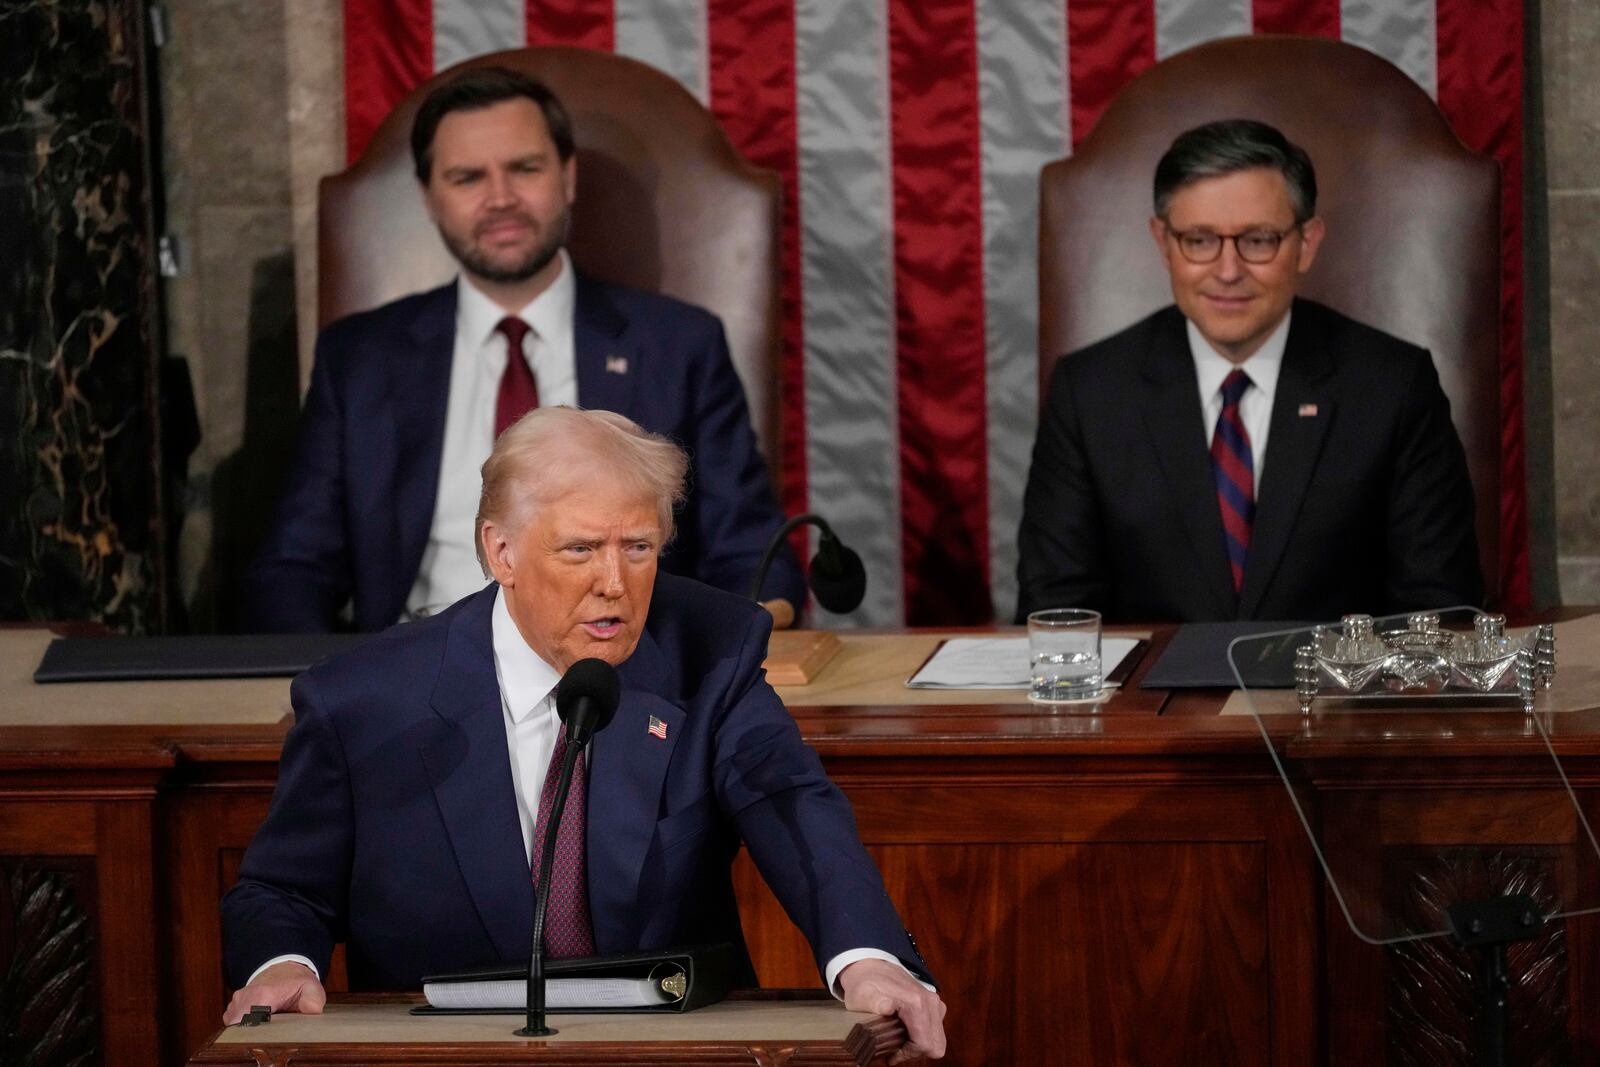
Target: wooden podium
column 803, row 1029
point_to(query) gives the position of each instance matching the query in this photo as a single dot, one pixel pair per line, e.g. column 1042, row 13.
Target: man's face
column 579, row 574
column 498, row 190
column 1236, row 305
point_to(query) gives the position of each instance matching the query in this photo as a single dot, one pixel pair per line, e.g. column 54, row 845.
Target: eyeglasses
column 1254, row 246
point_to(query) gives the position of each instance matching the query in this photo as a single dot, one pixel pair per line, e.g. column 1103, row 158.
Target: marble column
column 80, row 531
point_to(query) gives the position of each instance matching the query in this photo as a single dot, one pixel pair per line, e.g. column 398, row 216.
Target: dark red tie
column 567, row 928
column 519, row 393
column 1234, row 471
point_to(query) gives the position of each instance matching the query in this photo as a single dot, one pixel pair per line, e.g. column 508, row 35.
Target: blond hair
column 552, row 451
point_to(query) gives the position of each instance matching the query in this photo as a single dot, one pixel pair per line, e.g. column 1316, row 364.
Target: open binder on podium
column 1421, row 756
column 669, row 980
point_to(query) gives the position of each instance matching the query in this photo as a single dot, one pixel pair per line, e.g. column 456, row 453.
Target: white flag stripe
column 670, row 35
column 1021, row 85
column 1183, row 24
column 466, row 28
column 1405, row 32
column 847, row 286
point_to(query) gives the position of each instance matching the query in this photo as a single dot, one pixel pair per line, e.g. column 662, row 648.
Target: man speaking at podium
column 411, row 784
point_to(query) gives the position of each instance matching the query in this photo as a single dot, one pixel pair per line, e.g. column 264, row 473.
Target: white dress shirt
column 1255, row 406
column 527, row 701
column 449, row 569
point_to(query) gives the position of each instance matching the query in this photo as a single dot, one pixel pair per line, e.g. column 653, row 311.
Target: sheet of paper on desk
column 998, row 663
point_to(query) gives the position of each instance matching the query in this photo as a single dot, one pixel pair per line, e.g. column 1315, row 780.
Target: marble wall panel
column 80, row 530
column 225, row 90
column 245, row 258
column 1571, row 53
column 1575, row 321
column 315, row 31
column 1571, row 48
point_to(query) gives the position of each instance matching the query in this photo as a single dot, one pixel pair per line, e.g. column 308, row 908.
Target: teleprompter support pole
column 1487, row 927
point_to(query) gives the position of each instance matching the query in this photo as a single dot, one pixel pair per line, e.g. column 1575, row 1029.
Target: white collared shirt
column 449, row 569
column 527, row 703
column 1255, row 406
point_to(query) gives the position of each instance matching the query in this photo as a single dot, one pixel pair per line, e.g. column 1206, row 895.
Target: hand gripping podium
column 1422, row 756
column 377, row 1030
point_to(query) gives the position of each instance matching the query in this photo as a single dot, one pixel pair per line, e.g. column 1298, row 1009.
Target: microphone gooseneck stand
column 535, row 1025
column 586, row 701
column 838, row 579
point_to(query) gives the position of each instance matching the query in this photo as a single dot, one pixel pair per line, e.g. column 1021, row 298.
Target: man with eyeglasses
column 1244, row 453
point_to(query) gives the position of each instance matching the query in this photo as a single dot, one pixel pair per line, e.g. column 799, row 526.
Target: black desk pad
column 106, row 659
column 1197, row 657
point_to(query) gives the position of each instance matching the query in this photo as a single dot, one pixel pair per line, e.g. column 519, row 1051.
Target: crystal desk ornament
column 1356, row 660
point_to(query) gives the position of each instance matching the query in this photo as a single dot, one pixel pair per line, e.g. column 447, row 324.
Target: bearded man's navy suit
column 358, row 498
column 394, row 826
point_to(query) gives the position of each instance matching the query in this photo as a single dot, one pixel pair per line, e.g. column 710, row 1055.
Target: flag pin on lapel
column 658, row 728
column 1308, row 411
column 616, row 364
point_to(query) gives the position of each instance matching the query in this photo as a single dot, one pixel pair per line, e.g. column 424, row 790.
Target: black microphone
column 586, row 702
column 838, row 579
column 587, row 698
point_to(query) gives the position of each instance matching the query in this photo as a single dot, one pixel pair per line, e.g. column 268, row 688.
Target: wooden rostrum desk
column 797, row 1029
column 1131, row 887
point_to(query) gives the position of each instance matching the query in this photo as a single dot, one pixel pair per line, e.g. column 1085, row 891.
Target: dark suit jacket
column 1364, row 504
column 394, row 824
column 358, row 498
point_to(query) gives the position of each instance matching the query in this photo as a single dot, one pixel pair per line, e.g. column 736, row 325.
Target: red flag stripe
column 1108, row 42
column 940, row 342
column 583, row 23
column 388, row 48
column 751, row 49
column 1480, row 92
column 1316, row 18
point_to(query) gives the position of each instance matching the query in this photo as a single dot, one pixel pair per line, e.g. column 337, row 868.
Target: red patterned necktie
column 519, row 393
column 567, row 928
column 1234, row 471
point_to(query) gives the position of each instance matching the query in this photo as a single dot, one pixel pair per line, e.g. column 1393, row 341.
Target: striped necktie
column 1233, row 469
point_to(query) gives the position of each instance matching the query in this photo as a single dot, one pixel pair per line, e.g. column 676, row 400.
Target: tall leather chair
column 1413, row 217
column 664, row 203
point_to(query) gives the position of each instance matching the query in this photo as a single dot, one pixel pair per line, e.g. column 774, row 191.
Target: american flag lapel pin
column 658, row 728
column 616, row 364
column 1308, row 411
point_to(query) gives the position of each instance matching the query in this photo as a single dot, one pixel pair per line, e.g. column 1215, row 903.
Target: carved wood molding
column 1433, row 1003
column 49, row 1008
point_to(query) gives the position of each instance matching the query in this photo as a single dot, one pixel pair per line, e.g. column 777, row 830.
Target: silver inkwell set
column 1355, row 660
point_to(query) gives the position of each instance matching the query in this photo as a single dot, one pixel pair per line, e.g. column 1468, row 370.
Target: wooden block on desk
column 795, row 657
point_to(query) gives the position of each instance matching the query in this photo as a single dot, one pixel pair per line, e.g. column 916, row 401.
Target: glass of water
column 1064, row 653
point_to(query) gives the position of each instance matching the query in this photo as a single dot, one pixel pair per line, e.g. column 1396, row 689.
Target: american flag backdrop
column 909, row 135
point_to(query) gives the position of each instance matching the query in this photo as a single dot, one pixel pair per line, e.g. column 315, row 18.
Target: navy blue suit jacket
column 358, row 498
column 1365, row 504
column 394, row 825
